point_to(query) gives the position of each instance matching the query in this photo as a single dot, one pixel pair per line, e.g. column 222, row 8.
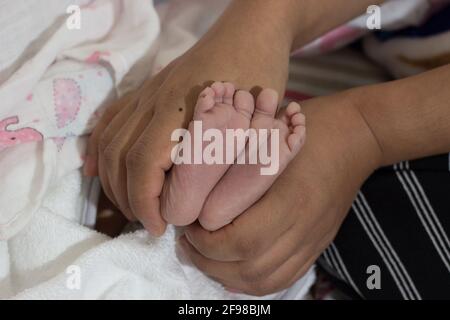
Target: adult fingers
column 147, row 90
column 147, row 162
column 255, row 230
column 91, row 163
column 109, row 154
column 120, row 135
column 234, row 275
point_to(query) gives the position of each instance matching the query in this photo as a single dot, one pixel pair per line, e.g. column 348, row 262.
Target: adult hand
column 275, row 242
column 249, row 46
column 130, row 147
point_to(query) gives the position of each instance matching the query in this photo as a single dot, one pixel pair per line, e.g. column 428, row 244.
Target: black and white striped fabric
column 399, row 222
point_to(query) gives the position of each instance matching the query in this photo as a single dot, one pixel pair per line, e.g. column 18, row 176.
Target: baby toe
column 244, row 103
column 292, row 109
column 219, row 89
column 229, row 93
column 267, row 102
column 296, row 139
column 206, row 100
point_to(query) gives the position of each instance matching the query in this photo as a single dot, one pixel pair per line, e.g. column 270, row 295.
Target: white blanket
column 53, row 83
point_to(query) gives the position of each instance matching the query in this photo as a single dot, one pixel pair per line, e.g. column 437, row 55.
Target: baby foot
column 243, row 185
column 188, row 185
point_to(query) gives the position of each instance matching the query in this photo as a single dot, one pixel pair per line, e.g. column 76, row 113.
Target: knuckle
column 103, row 142
column 110, row 154
column 134, row 158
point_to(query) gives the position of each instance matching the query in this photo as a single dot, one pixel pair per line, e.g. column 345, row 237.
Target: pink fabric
column 11, row 137
column 67, row 100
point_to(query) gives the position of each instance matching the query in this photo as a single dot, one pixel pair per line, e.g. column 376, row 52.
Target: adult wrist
column 256, row 25
column 348, row 134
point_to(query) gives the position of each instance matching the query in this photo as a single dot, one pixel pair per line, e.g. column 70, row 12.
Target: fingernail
column 89, row 167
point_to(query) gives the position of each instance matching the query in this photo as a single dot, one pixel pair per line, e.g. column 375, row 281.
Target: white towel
column 45, row 251
column 55, row 257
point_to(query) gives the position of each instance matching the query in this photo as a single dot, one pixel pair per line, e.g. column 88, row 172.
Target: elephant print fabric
column 67, row 99
column 67, row 103
column 9, row 138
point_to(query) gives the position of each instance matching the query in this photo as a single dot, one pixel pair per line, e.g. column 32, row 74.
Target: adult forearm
column 410, row 118
column 286, row 24
column 313, row 18
column 263, row 33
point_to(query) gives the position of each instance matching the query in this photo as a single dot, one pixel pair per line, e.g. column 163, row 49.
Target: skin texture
column 300, row 215
column 303, row 210
column 122, row 147
column 275, row 241
column 226, row 201
column 349, row 136
column 188, row 186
